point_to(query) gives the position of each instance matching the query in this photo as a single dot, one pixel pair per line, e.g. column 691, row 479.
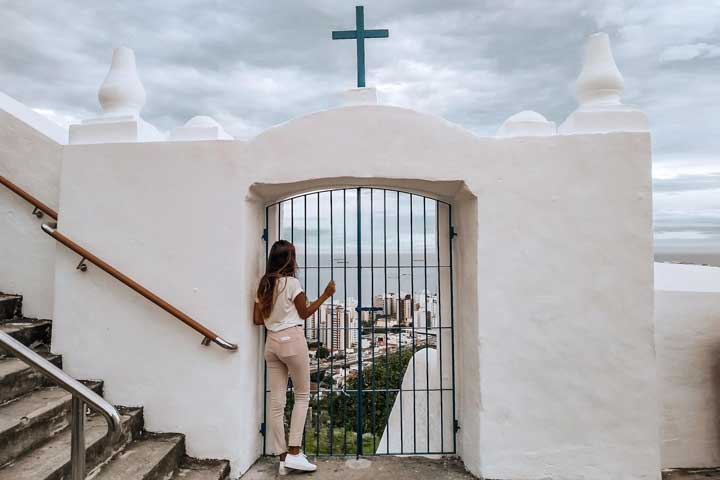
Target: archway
column 382, row 349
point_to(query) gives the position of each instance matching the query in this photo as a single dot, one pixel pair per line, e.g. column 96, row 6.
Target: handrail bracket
column 82, row 266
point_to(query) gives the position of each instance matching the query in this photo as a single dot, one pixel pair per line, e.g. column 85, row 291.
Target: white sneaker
column 299, row 462
column 282, row 470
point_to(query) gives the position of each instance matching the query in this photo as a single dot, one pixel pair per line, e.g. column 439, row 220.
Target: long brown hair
column 280, row 263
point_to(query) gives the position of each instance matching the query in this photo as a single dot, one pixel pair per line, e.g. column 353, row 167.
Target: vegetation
column 337, row 412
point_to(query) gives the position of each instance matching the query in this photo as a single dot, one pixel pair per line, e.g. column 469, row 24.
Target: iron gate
column 382, row 349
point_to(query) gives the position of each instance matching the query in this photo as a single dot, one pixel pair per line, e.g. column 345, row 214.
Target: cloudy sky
column 254, row 64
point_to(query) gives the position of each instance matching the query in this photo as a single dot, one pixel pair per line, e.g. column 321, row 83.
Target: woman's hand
column 330, row 289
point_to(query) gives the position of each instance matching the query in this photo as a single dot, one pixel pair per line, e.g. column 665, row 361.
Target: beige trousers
column 286, row 353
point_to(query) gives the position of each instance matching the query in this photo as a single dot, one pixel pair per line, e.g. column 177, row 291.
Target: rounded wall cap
column 526, row 116
column 202, row 121
column 200, row 127
column 526, row 124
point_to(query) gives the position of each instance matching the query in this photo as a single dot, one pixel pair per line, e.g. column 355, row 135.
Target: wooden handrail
column 29, row 198
column 208, row 335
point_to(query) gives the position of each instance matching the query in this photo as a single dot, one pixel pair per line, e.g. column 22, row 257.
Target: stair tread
column 34, row 404
column 27, row 331
column 192, row 469
column 16, row 326
column 139, row 459
column 12, row 365
column 9, row 306
column 55, row 454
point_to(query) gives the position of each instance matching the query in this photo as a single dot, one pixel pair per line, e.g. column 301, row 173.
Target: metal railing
column 82, row 396
column 41, row 208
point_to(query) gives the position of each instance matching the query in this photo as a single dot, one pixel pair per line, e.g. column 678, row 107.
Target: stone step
column 17, row 378
column 29, row 332
column 51, row 461
column 10, row 306
column 32, row 419
column 381, row 467
column 153, row 457
column 193, row 469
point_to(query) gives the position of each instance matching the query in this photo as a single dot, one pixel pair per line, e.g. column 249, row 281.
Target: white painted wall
column 420, row 421
column 30, row 157
column 173, row 216
column 567, row 373
column 553, row 281
column 687, row 316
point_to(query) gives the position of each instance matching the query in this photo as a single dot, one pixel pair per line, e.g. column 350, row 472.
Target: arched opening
column 383, row 348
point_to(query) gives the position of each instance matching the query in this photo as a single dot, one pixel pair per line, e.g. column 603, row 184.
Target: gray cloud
column 255, row 64
column 686, row 183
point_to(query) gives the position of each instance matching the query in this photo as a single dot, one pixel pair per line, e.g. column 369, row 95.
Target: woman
column 282, row 307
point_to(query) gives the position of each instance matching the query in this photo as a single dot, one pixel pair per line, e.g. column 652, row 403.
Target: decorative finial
column 599, row 87
column 600, row 82
column 122, row 93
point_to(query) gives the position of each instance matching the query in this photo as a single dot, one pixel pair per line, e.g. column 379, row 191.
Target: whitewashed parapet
column 526, row 124
column 200, row 127
column 122, row 97
column 598, row 90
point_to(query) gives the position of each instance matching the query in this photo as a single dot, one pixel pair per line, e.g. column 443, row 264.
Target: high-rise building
column 391, row 304
column 334, row 333
column 312, row 323
column 406, row 307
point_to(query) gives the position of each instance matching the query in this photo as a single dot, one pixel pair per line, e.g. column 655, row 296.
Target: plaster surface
column 553, row 281
column 687, row 312
column 417, row 421
column 30, row 156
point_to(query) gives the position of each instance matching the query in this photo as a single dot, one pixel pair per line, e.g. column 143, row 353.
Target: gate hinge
column 453, row 233
column 265, row 234
column 262, row 429
column 456, row 425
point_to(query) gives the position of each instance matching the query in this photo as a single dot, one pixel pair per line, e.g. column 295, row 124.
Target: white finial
column 600, row 82
column 122, row 92
column 599, row 87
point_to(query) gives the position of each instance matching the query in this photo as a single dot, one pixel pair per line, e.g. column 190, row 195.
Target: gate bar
column 359, row 429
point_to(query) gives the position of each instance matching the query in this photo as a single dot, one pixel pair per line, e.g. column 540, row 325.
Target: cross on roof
column 360, row 34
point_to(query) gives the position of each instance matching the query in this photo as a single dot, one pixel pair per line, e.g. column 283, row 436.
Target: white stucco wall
column 687, row 316
column 173, row 217
column 30, row 157
column 553, row 281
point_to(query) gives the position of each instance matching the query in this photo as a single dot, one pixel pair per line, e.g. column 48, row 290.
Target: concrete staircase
column 35, row 415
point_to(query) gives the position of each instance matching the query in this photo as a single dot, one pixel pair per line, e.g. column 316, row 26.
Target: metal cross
column 360, row 34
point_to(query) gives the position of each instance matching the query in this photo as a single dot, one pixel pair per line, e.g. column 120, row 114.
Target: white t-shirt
column 284, row 314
